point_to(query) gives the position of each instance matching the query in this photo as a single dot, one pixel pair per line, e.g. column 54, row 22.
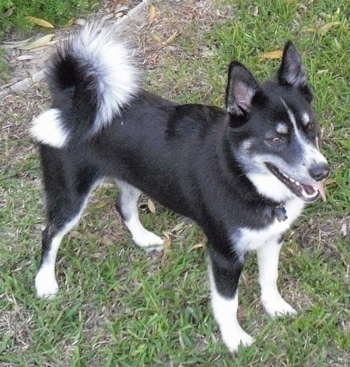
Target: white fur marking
column 282, row 128
column 270, row 186
column 247, row 239
column 48, row 129
column 45, row 281
column 305, row 118
column 141, row 236
column 246, row 145
column 317, row 141
column 294, row 123
column 225, row 313
column 311, row 153
column 271, row 299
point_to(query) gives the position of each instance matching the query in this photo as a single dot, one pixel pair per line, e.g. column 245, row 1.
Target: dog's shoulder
column 192, row 119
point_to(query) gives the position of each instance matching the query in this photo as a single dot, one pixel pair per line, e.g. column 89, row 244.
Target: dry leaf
column 24, row 57
column 198, row 245
column 157, row 38
column 9, row 12
column 171, row 38
column 178, row 227
column 272, row 55
column 16, row 44
column 322, row 71
column 344, row 229
column 151, row 206
column 208, row 53
column 166, row 246
column 152, row 14
column 40, row 22
column 40, row 42
column 324, row 29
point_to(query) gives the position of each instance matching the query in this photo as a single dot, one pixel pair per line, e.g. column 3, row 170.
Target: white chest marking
column 246, row 239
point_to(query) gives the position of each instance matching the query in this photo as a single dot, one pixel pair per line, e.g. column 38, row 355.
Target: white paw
column 148, row 241
column 46, row 285
column 237, row 338
column 276, row 306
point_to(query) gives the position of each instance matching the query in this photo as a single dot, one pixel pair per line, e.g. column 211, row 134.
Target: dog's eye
column 276, row 140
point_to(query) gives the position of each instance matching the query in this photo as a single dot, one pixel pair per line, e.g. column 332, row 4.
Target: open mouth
column 309, row 193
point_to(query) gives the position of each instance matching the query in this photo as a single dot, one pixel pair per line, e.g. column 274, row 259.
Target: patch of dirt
column 321, row 230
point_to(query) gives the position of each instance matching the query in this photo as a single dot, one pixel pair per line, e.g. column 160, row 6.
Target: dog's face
column 274, row 132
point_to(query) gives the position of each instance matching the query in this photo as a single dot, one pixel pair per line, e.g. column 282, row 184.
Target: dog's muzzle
column 309, row 193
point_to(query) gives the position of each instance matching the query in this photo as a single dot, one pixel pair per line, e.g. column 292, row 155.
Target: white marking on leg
column 45, row 281
column 48, row 129
column 225, row 313
column 141, row 236
column 128, row 206
column 271, row 299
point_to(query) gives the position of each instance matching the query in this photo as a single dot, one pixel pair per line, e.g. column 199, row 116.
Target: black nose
column 319, row 171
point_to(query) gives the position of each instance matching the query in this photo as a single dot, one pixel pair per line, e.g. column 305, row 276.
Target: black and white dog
column 243, row 173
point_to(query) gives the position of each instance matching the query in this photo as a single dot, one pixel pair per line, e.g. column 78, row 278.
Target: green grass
column 14, row 13
column 14, row 19
column 119, row 306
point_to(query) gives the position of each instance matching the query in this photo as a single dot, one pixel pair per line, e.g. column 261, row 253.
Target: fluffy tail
column 91, row 77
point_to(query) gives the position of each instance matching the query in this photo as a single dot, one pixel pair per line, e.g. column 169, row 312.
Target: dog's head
column 274, row 132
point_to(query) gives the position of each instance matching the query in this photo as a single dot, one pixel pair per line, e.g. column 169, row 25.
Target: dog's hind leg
column 224, row 273
column 45, row 281
column 271, row 299
column 67, row 189
column 127, row 206
column 61, row 219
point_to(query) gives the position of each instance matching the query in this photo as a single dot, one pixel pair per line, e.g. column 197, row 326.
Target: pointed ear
column 240, row 90
column 291, row 71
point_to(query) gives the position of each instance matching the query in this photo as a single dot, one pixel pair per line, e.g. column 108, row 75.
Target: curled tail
column 91, row 77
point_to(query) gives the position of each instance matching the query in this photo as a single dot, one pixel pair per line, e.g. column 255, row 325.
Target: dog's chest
column 247, row 239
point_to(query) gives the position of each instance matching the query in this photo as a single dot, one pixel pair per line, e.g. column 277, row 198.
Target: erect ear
column 291, row 71
column 240, row 90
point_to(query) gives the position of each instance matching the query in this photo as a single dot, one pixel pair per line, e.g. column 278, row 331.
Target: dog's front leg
column 224, row 273
column 274, row 304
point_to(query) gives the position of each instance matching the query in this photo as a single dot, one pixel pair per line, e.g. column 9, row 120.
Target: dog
column 243, row 173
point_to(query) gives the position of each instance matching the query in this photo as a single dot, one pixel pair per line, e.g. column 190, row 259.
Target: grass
column 14, row 18
column 14, row 13
column 121, row 307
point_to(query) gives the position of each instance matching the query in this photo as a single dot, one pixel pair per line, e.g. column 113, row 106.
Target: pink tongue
column 319, row 186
